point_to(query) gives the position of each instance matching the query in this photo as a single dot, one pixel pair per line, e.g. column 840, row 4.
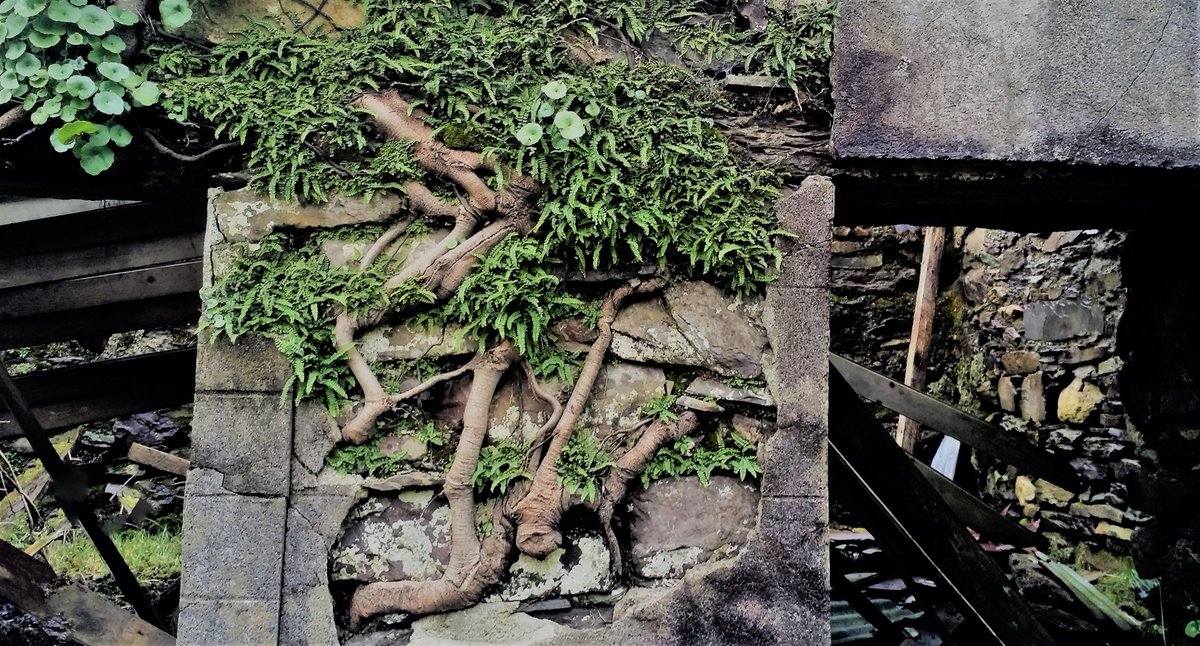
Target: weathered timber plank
column 867, row 459
column 19, row 271
column 977, row 515
column 90, row 618
column 66, row 397
column 14, row 210
column 165, row 311
column 95, row 291
column 96, row 228
column 160, row 460
column 908, row 429
column 949, row 420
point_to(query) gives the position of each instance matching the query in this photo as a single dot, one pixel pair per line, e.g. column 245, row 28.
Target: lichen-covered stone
column 401, row 537
column 580, row 566
column 403, row 342
column 246, row 215
column 1077, row 401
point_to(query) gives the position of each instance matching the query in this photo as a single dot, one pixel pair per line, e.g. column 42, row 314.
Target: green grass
column 152, row 555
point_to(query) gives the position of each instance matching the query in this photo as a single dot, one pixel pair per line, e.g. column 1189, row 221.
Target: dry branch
column 11, row 118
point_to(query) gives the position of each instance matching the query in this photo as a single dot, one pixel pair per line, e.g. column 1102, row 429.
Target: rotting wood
column 908, row 429
column 21, row 271
column 949, row 420
column 977, row 515
column 156, row 459
column 30, row 484
column 166, row 311
column 917, row 524
column 90, row 619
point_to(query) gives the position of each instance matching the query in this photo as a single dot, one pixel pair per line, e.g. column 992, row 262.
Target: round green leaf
column 592, row 109
column 559, row 143
column 545, row 109
column 119, row 135
column 81, row 86
column 43, row 41
column 99, row 55
column 56, row 139
column 39, row 117
column 27, row 64
column 1192, row 628
column 113, row 43
column 133, row 80
column 68, row 113
column 29, row 8
column 47, row 25
column 116, row 72
column 15, row 23
column 76, row 38
column 9, row 80
column 555, row 90
column 3, row 32
column 569, row 124
column 14, row 49
column 529, row 134
column 6, row 5
column 95, row 159
column 109, row 103
column 145, row 94
column 100, row 137
column 174, row 13
column 5, row 95
column 122, row 16
column 64, row 11
column 95, row 20
column 59, row 71
column 39, row 79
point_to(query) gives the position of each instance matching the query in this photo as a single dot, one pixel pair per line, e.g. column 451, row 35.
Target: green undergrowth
column 154, row 554
column 368, row 459
column 633, row 168
column 500, row 464
column 689, row 456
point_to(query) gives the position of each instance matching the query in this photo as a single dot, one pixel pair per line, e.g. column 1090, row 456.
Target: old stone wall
column 1025, row 336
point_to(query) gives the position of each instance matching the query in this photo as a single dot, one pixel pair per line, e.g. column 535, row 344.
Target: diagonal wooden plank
column 977, row 514
column 949, row 420
column 164, row 311
column 863, row 454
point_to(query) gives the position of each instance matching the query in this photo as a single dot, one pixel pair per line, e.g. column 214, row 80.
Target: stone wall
column 1025, row 336
column 275, row 538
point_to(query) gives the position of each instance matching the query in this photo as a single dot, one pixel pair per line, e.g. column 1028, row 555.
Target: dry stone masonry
column 275, row 538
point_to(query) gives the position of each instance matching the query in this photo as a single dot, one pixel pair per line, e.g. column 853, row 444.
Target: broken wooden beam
column 908, row 429
column 977, row 515
column 87, row 617
column 159, row 460
column 953, row 422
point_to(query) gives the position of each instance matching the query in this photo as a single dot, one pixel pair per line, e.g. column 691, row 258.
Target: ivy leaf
column 113, row 43
column 95, row 20
column 29, row 8
column 69, row 132
column 174, row 13
column 569, row 124
column 145, row 94
column 555, row 90
column 64, row 11
column 529, row 134
column 119, row 135
column 116, row 72
column 27, row 64
column 122, row 16
column 109, row 103
column 14, row 49
column 81, row 86
column 95, row 159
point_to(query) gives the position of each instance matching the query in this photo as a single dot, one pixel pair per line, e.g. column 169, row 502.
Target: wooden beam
column 864, row 458
column 908, row 430
column 96, row 228
column 29, row 584
column 21, row 271
column 949, row 420
column 14, row 210
column 95, row 291
column 165, row 311
column 66, row 397
column 977, row 514
column 156, row 459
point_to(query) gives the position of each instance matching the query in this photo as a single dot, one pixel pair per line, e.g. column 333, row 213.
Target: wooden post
column 908, row 430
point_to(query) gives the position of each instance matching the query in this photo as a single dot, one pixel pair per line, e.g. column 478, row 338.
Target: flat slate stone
column 1099, row 82
column 1057, row 320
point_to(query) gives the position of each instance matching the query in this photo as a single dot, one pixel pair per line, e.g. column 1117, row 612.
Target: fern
column 499, row 465
column 687, row 456
column 581, row 465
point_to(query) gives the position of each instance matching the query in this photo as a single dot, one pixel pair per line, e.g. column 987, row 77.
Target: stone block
column 246, row 215
column 315, row 434
column 808, row 214
column 250, row 365
column 232, row 548
column 795, row 461
column 306, row 618
column 1099, row 82
column 794, row 520
column 247, row 438
column 1058, row 320
column 797, row 323
column 314, row 521
column 228, row 622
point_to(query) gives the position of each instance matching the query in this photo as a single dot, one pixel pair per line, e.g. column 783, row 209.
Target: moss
column 153, row 555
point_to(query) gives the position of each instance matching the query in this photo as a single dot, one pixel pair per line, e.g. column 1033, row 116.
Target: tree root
column 11, row 118
column 630, row 466
column 539, row 512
